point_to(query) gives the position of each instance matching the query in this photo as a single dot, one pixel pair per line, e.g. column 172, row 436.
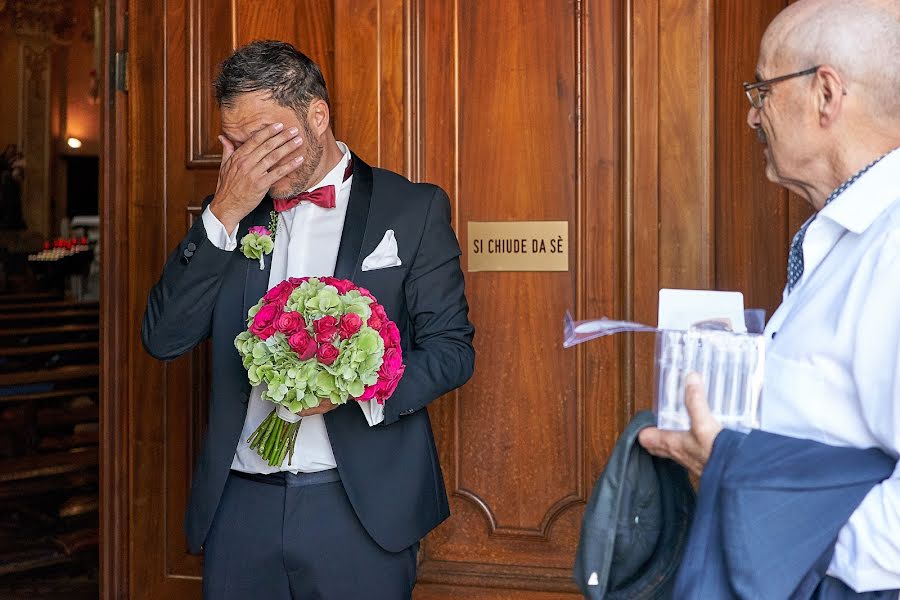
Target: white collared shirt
column 833, row 359
column 307, row 241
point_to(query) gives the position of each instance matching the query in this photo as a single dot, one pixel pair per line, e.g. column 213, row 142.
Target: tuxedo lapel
column 354, row 221
column 256, row 281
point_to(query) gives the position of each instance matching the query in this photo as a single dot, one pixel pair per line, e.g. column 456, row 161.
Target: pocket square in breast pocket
column 385, row 255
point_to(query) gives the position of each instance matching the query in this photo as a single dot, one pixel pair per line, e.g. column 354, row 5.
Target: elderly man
column 826, row 108
column 344, row 518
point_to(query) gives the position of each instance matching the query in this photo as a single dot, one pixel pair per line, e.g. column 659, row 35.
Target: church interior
column 49, row 294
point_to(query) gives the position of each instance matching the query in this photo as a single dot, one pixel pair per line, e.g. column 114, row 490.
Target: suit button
column 191, row 246
column 188, row 253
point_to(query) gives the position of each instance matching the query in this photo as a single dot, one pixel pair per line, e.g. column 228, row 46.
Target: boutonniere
column 260, row 240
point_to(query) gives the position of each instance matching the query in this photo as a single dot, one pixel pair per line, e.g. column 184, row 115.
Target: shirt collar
column 857, row 202
column 335, row 176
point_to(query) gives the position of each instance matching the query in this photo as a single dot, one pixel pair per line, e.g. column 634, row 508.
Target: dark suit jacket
column 205, row 291
column 769, row 511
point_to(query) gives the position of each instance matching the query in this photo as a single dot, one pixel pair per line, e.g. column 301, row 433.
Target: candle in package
column 732, row 366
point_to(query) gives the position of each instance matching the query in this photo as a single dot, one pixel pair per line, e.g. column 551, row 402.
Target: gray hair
column 290, row 77
column 859, row 38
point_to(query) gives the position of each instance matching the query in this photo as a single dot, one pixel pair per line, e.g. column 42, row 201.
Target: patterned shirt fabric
column 795, row 256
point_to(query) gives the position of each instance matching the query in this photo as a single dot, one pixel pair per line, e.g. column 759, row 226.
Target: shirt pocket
column 811, row 398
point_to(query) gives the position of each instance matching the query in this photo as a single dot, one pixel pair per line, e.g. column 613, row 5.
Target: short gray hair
column 290, row 77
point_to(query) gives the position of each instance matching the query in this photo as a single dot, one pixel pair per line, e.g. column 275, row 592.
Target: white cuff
column 216, row 233
column 373, row 411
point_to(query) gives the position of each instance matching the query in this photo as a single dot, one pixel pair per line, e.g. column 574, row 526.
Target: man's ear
column 318, row 116
column 830, row 92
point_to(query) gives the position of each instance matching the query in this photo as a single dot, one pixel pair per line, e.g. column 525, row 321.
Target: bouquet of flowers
column 313, row 339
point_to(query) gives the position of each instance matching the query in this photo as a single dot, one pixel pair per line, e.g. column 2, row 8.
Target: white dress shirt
column 833, row 359
column 307, row 240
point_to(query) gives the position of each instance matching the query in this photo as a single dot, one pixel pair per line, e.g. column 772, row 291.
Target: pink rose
column 303, row 344
column 350, row 324
column 260, row 230
column 263, row 324
column 385, row 388
column 392, row 364
column 389, row 374
column 368, row 394
column 327, row 354
column 343, row 286
column 290, row 323
column 365, row 292
column 296, row 281
column 326, row 328
column 391, row 335
column 379, row 317
column 279, row 294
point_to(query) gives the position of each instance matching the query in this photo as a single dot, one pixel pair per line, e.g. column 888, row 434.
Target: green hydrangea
column 298, row 298
column 252, row 313
column 256, row 246
column 326, row 302
column 354, row 302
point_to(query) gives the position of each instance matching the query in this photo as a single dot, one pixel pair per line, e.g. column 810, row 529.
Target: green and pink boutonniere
column 260, row 241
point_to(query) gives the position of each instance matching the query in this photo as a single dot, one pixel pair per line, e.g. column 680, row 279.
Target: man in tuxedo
column 826, row 108
column 343, row 520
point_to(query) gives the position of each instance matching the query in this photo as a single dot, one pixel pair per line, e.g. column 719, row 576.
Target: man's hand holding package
column 691, row 448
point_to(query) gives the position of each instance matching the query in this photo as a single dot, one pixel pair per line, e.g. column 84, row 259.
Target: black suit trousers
column 298, row 543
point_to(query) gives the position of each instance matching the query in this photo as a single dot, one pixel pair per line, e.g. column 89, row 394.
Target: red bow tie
column 323, row 196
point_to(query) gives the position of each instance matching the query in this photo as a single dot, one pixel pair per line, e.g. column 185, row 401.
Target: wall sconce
column 74, row 143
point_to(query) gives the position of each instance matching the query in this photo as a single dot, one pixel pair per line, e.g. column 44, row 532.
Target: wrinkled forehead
column 248, row 113
column 772, row 52
column 238, row 128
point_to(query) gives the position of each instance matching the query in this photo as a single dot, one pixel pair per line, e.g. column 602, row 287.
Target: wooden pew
column 24, row 297
column 49, row 368
column 51, row 463
column 48, row 306
column 68, row 316
column 49, row 349
column 65, row 373
column 52, row 395
column 57, row 331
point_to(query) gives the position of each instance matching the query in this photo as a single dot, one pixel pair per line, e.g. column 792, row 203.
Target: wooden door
column 175, row 49
column 622, row 118
column 521, row 121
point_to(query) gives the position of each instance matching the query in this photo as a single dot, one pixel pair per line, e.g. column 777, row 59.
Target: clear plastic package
column 732, row 366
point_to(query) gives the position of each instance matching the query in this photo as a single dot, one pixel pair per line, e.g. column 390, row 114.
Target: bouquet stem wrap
column 275, row 437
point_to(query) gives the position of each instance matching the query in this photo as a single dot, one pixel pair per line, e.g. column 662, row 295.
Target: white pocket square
column 385, row 255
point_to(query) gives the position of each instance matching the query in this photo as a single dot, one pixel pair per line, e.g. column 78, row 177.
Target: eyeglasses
column 757, row 95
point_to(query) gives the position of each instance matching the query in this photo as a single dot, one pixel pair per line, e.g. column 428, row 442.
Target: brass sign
column 518, row 246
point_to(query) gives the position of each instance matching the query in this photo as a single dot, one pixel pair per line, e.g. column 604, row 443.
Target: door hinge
column 121, row 71
column 121, row 61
